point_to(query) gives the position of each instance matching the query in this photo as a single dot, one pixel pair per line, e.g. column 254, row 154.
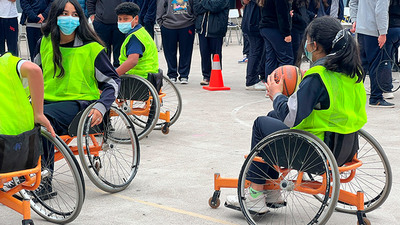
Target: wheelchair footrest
column 238, row 209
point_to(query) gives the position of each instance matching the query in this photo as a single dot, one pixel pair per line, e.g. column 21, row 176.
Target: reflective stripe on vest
column 346, row 113
column 148, row 63
column 16, row 113
column 79, row 81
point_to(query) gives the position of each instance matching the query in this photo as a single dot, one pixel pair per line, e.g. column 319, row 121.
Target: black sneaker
column 44, row 192
column 381, row 104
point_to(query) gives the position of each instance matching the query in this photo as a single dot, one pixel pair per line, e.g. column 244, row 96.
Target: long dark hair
column 343, row 55
column 83, row 31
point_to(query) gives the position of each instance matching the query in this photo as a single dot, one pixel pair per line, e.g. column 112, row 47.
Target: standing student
column 75, row 67
column 8, row 26
column 34, row 15
column 275, row 28
column 300, row 20
column 176, row 19
column 102, row 13
column 147, row 16
column 392, row 39
column 211, row 25
column 370, row 21
column 256, row 57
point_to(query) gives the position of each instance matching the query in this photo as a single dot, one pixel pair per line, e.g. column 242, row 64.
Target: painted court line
column 171, row 209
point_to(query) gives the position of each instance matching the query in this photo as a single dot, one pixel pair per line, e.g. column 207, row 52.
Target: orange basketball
column 291, row 77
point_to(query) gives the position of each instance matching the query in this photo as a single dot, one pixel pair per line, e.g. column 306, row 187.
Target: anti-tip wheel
column 215, row 204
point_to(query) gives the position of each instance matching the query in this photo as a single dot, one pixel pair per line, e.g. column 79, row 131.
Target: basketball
column 291, row 77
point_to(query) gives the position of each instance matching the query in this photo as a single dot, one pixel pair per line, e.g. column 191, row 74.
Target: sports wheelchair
column 63, row 203
column 310, row 182
column 109, row 153
column 152, row 103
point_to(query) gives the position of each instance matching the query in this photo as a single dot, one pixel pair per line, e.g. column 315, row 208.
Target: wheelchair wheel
column 172, row 102
column 141, row 103
column 110, row 164
column 293, row 156
column 60, row 196
column 374, row 177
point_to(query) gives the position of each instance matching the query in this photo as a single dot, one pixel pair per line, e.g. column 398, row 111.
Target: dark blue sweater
column 32, row 8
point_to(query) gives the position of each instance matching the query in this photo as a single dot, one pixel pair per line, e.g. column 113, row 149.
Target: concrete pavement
column 175, row 177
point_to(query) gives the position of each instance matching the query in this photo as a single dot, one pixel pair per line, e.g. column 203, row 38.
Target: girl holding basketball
column 329, row 103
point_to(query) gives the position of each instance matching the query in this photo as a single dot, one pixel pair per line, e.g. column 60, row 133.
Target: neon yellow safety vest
column 16, row 113
column 148, row 63
column 346, row 113
column 79, row 81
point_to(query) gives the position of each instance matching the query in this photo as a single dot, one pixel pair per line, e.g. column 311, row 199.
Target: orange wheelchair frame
column 358, row 186
column 31, row 183
column 310, row 187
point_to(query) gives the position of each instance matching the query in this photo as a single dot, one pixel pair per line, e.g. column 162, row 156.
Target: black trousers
column 172, row 38
column 33, row 34
column 209, row 46
column 9, row 34
column 112, row 37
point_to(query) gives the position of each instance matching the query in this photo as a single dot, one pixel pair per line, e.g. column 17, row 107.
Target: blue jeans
column 278, row 52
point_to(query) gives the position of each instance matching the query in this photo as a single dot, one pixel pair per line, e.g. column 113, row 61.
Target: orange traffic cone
column 216, row 81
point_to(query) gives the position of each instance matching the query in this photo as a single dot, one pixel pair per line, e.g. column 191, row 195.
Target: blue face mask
column 125, row 27
column 307, row 53
column 67, row 24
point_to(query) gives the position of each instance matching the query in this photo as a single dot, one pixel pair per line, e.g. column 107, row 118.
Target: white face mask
column 307, row 53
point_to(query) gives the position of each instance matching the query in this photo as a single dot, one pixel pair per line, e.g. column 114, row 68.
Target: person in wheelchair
column 329, row 103
column 75, row 66
column 17, row 114
column 139, row 55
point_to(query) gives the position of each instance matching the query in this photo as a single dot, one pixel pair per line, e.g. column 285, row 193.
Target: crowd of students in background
column 273, row 30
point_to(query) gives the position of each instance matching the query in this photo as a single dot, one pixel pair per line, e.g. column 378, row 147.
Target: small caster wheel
column 165, row 129
column 97, row 163
column 365, row 220
column 214, row 204
column 27, row 222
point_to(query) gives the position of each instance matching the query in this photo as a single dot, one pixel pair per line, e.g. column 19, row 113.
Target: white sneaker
column 274, row 199
column 184, row 81
column 254, row 205
column 260, row 86
column 173, row 80
column 388, row 95
column 394, row 80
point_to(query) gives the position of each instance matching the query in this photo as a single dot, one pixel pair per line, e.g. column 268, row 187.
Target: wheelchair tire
column 109, row 164
column 64, row 202
column 304, row 154
column 172, row 102
column 137, row 90
column 374, row 177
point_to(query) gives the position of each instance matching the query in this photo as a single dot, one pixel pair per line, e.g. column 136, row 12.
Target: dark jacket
column 104, row 10
column 32, row 8
column 300, row 18
column 212, row 17
column 394, row 14
column 148, row 10
column 251, row 18
column 276, row 14
column 326, row 10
